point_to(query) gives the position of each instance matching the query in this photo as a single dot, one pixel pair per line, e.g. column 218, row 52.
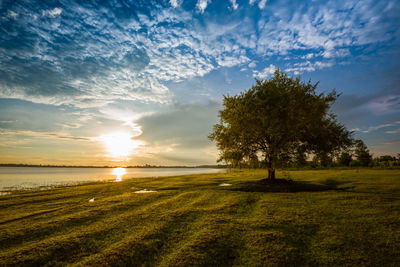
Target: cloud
column 307, row 66
column 20, row 114
column 265, row 73
column 391, row 142
column 377, row 127
column 90, row 58
column 178, row 134
column 336, row 53
column 262, row 4
column 329, row 28
column 93, row 55
column 191, row 125
column 70, row 125
column 12, row 14
column 175, row 3
column 57, row 135
column 202, row 5
column 234, row 4
column 230, row 61
column 52, row 13
column 252, row 64
column 385, row 104
column 78, row 67
column 396, row 131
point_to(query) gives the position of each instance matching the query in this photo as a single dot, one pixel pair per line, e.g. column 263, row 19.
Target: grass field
column 329, row 217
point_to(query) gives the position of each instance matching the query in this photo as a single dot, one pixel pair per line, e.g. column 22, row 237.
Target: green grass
column 323, row 218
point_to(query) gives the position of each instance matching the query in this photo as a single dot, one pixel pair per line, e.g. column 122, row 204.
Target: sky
column 141, row 82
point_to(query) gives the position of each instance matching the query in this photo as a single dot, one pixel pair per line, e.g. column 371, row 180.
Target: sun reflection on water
column 119, row 172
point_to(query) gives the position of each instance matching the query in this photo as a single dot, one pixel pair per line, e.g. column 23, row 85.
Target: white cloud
column 231, row 61
column 298, row 68
column 262, row 4
column 175, row 3
column 252, row 64
column 202, row 5
column 265, row 73
column 52, row 12
column 330, row 28
column 138, row 60
column 377, row 127
column 336, row 53
column 310, row 55
column 234, row 4
column 12, row 14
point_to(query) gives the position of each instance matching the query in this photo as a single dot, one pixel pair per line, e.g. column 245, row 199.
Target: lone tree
column 276, row 119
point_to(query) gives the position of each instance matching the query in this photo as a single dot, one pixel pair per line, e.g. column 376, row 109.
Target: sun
column 119, row 144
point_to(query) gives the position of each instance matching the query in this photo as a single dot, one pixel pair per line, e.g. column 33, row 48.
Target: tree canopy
column 278, row 119
column 361, row 153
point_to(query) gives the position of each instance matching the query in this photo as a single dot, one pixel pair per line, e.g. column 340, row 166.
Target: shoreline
column 117, row 166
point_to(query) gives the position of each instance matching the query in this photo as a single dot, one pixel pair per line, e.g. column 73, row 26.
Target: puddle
column 225, row 184
column 144, row 191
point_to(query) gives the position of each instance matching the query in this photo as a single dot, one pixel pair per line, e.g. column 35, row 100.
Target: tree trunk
column 271, row 174
column 271, row 169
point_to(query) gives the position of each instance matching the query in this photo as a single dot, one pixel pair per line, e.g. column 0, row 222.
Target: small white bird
column 91, row 200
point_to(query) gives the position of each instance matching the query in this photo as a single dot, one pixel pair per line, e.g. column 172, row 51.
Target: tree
column 345, row 158
column 300, row 158
column 276, row 119
column 361, row 153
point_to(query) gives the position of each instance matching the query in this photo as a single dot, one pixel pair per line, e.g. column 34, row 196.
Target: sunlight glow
column 119, row 172
column 119, row 144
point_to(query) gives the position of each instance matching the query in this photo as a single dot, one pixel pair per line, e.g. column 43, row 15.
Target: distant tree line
column 357, row 155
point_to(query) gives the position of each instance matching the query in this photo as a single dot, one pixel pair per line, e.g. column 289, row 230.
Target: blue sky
column 76, row 74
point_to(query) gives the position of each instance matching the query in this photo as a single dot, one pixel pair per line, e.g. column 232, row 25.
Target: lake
column 12, row 178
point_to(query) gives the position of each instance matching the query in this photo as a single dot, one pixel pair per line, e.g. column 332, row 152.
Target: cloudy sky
column 136, row 82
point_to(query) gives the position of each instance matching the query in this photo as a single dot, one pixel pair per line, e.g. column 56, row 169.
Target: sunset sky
column 136, row 82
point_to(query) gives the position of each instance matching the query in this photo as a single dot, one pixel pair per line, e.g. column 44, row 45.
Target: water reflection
column 118, row 172
column 17, row 178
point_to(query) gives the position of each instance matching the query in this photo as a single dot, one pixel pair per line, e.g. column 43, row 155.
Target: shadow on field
column 296, row 238
column 287, row 186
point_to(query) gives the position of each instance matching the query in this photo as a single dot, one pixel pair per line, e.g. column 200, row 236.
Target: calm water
column 30, row 177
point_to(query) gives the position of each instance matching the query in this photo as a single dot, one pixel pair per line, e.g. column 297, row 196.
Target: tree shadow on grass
column 287, row 186
column 336, row 183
